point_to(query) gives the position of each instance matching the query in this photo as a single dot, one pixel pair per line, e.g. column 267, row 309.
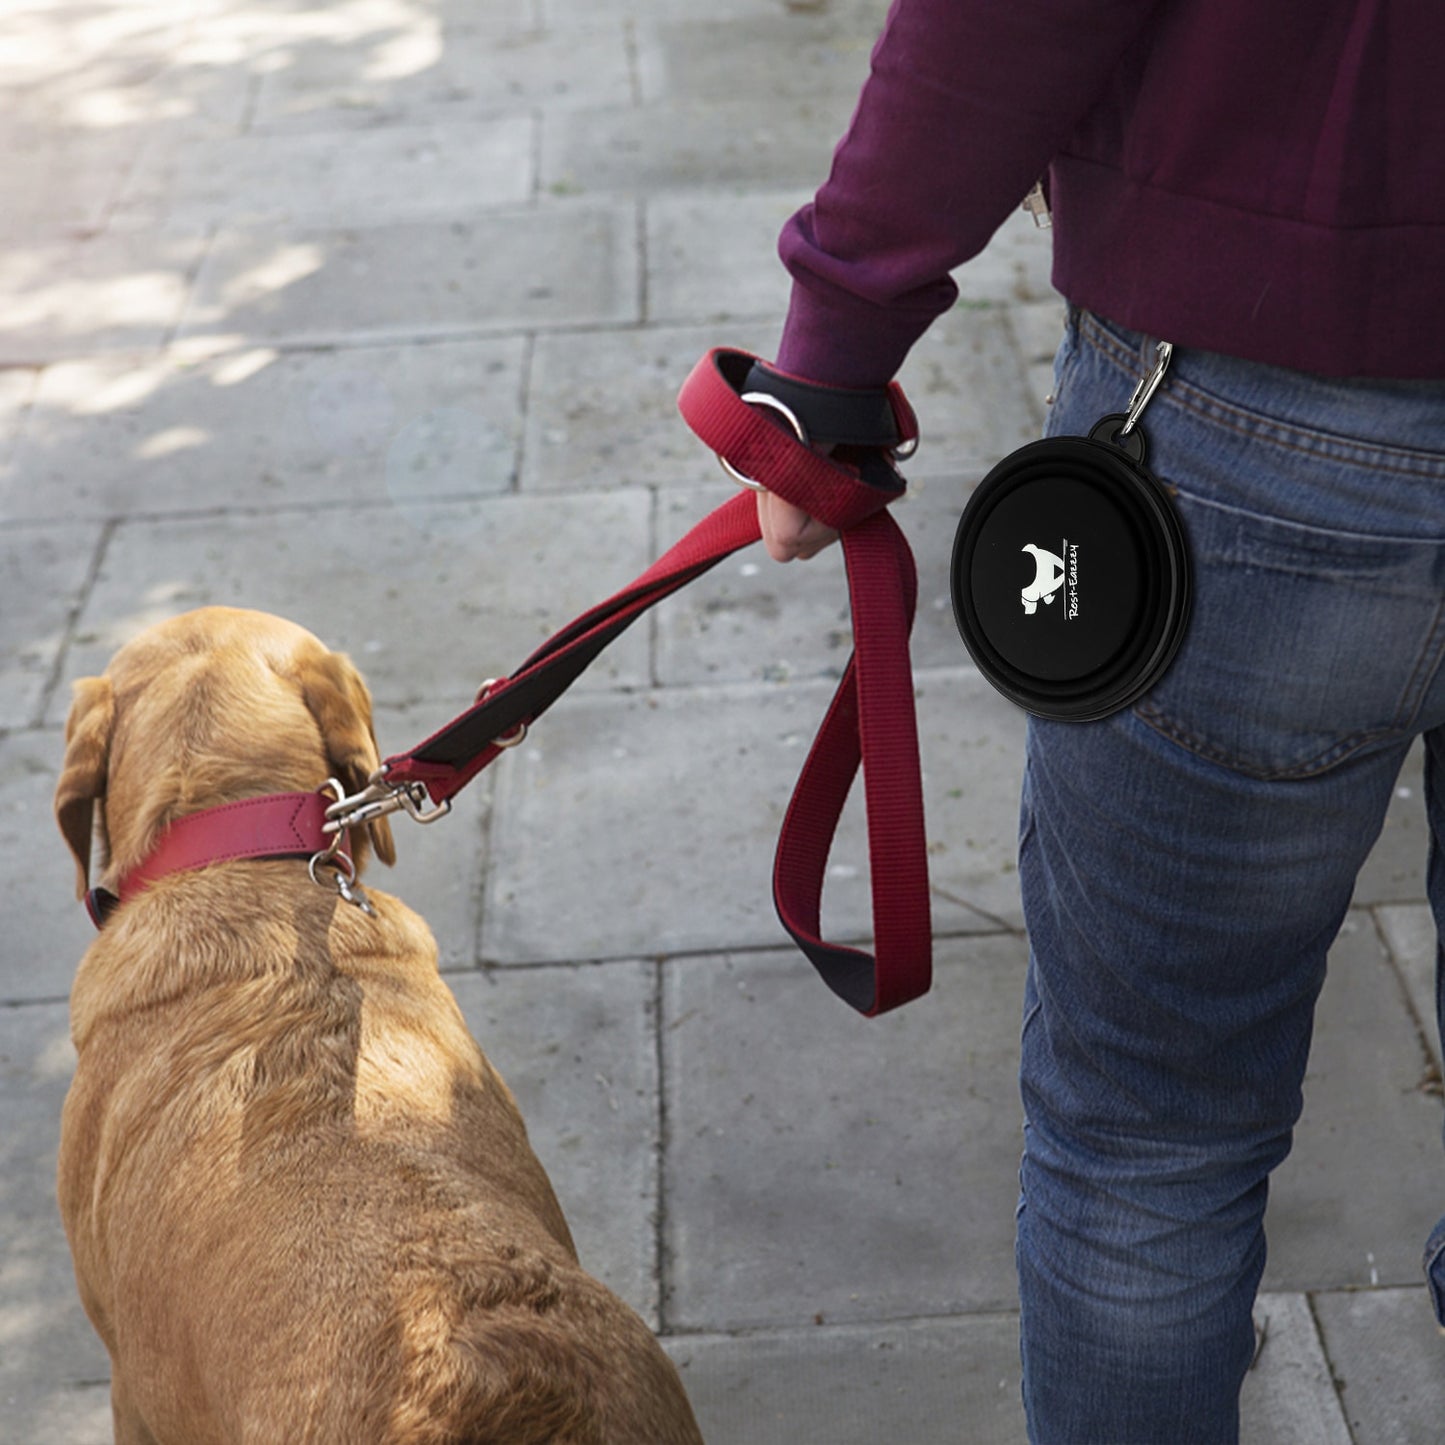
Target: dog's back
column 301, row 1203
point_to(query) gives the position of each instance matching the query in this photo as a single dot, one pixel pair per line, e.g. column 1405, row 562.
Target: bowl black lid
column 1070, row 575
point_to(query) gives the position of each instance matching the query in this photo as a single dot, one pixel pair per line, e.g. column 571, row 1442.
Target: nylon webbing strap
column 870, row 723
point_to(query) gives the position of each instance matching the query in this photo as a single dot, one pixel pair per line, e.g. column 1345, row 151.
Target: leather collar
column 277, row 825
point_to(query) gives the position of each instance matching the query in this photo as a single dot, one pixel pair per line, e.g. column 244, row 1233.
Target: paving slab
column 1014, row 267
column 439, row 866
column 17, row 388
column 461, row 64
column 1289, row 1395
column 823, row 1164
column 415, row 595
column 60, row 184
column 955, row 1381
column 792, row 53
column 1368, row 1101
column 333, row 178
column 60, row 1415
column 576, row 1046
column 114, row 67
column 602, row 408
column 759, row 140
column 1409, row 932
column 567, row 14
column 1038, row 327
column 928, row 1382
column 749, row 619
column 39, row 960
column 713, row 257
column 47, row 1346
column 43, row 575
column 1388, row 1357
column 379, row 40
column 645, row 825
column 115, row 291
column 540, row 267
column 256, row 427
column 967, row 380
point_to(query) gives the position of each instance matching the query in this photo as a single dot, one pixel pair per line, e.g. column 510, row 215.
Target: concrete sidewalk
column 372, row 314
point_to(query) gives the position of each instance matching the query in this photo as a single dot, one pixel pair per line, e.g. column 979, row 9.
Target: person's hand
column 789, row 533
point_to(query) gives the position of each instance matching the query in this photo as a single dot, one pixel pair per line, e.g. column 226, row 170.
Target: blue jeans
column 1187, row 863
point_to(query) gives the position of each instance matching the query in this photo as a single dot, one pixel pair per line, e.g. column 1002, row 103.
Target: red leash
column 870, row 723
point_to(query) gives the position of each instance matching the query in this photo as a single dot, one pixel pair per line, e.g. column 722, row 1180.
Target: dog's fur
column 301, row 1203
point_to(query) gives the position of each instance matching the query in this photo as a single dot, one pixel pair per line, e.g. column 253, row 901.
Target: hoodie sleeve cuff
column 836, row 337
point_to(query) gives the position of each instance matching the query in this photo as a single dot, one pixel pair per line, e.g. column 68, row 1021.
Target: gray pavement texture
column 372, row 314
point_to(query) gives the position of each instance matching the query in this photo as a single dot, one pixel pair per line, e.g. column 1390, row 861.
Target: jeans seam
column 1252, row 427
column 1426, row 666
column 1168, row 727
column 1407, row 712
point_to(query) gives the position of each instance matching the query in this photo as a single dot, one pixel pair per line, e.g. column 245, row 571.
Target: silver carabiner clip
column 1148, row 385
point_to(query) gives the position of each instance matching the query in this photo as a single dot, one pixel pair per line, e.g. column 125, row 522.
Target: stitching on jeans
column 1426, row 666
column 1252, row 426
column 1412, row 699
column 1332, row 757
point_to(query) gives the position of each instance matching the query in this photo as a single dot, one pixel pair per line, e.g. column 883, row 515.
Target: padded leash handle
column 869, row 725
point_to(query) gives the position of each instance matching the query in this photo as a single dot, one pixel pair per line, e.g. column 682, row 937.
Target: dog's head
column 209, row 708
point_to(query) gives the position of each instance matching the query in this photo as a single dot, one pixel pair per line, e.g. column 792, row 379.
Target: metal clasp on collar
column 1148, row 385
column 377, row 799
column 333, row 856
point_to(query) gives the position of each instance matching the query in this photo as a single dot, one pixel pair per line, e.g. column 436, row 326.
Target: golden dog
column 301, row 1203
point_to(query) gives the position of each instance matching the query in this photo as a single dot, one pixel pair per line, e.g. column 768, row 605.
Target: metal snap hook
column 1144, row 392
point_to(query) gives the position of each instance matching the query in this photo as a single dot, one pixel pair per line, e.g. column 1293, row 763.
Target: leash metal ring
column 518, row 734
column 762, row 398
column 342, row 862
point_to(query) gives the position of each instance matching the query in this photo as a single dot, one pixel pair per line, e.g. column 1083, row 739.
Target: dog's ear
column 83, row 776
column 337, row 698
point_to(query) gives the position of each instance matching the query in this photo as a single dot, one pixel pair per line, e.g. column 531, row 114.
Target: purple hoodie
column 1264, row 178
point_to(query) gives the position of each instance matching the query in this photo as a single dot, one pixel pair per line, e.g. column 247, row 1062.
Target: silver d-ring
column 518, row 734
column 762, row 398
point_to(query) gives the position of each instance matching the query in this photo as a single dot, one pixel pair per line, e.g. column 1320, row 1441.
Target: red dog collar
column 278, row 825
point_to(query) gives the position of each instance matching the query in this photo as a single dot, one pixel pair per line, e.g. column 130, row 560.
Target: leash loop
column 870, row 726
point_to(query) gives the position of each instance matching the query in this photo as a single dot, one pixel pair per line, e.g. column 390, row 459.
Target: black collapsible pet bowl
column 1070, row 575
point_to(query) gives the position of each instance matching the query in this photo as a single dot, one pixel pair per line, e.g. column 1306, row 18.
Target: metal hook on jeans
column 1148, row 385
